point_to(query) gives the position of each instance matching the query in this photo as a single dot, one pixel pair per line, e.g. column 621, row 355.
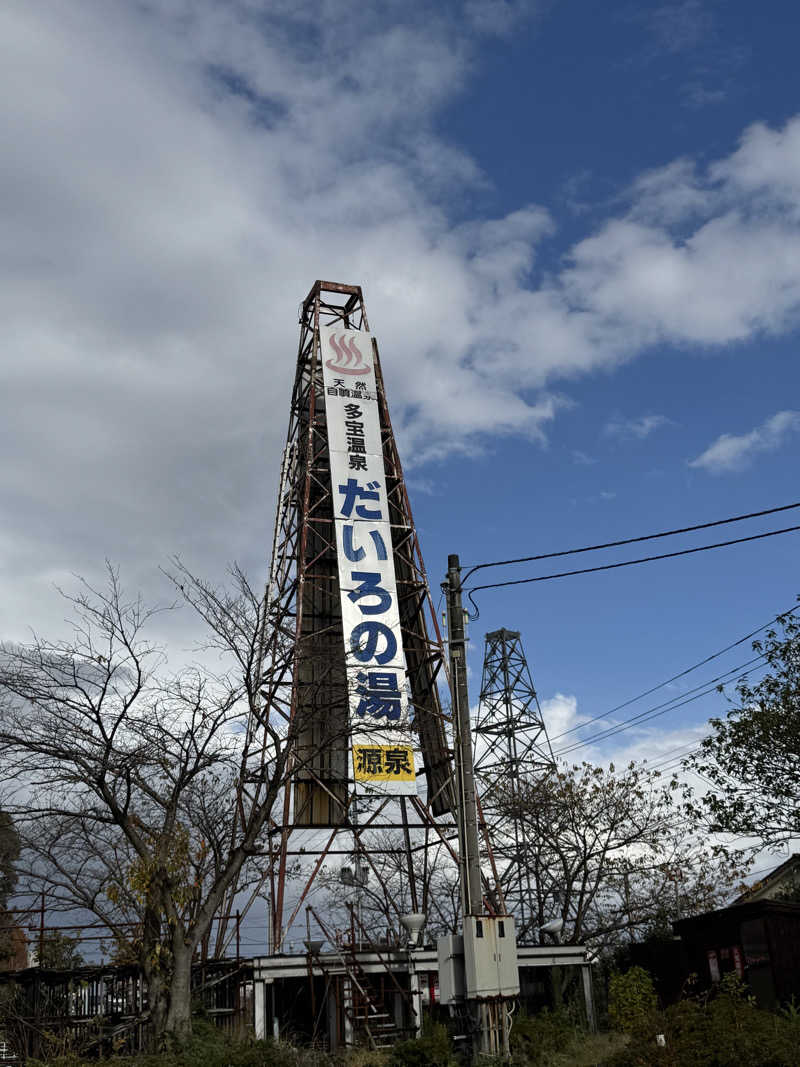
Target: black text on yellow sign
column 383, row 763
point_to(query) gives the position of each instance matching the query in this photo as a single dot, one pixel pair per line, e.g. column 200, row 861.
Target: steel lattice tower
column 305, row 674
column 511, row 747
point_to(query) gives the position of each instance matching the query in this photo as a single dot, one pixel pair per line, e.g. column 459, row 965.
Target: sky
column 578, row 233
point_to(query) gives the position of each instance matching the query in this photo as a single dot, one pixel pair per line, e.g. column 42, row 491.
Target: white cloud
column 182, row 171
column 702, row 257
column 697, row 96
column 733, row 452
column 497, row 17
column 635, row 429
column 766, row 164
column 426, row 486
column 681, row 26
column 560, row 713
column 662, row 747
column 671, row 194
column 583, row 459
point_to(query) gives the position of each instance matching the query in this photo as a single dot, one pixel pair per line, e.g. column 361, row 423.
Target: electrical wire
column 675, row 677
column 680, row 700
column 670, row 752
column 762, row 870
column 674, row 761
column 706, row 688
column 678, row 752
column 633, row 540
column 625, row 563
column 639, row 720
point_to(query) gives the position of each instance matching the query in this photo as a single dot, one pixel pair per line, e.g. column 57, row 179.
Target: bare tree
column 612, row 854
column 134, row 789
column 378, row 888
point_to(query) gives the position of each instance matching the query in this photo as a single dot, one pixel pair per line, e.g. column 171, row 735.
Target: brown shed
column 759, row 940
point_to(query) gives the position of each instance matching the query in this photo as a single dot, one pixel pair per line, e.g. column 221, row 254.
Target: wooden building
column 758, row 940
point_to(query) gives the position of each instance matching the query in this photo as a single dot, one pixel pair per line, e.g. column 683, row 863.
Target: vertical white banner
column 382, row 742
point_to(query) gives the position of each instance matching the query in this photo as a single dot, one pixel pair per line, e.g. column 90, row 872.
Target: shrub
column 631, row 999
column 433, row 1049
column 208, row 1047
column 536, row 1038
column 726, row 1030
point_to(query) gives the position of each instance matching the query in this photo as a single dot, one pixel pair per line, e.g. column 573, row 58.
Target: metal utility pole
column 486, row 949
column 469, row 855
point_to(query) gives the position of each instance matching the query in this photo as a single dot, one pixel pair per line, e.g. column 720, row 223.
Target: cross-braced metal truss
column 511, row 748
column 305, row 712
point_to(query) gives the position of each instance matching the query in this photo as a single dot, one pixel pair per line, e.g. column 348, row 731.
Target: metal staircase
column 367, row 1000
column 368, row 1012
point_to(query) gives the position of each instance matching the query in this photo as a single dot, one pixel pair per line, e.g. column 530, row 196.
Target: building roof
column 734, row 913
column 770, row 881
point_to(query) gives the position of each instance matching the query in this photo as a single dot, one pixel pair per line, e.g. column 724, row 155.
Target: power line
column 675, row 677
column 670, row 754
column 633, row 540
column 638, row 720
column 674, row 761
column 763, row 870
column 706, row 688
column 679, row 700
column 629, row 562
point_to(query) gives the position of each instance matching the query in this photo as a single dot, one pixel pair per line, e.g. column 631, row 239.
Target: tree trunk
column 178, row 1023
column 152, row 962
column 158, row 1003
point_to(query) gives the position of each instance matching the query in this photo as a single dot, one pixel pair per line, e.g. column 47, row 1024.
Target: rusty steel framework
column 304, row 682
column 511, row 748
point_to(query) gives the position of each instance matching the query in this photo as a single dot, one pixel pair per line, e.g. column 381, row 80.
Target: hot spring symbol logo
column 348, row 356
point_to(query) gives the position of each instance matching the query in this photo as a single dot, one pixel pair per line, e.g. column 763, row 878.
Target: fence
column 105, row 1008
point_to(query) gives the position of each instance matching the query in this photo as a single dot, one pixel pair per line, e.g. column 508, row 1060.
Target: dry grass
column 590, row 1051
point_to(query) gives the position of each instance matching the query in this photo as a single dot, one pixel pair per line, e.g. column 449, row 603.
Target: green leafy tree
column 752, row 757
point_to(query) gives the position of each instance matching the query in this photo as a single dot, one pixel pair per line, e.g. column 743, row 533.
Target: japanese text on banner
column 383, row 752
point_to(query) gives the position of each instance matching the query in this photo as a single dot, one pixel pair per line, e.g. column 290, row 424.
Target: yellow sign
column 383, row 763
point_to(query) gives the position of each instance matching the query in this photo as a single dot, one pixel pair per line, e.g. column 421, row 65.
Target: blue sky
column 578, row 233
column 572, row 112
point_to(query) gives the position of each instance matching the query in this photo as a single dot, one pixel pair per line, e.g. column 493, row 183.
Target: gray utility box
column 450, row 956
column 482, row 963
column 490, row 956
